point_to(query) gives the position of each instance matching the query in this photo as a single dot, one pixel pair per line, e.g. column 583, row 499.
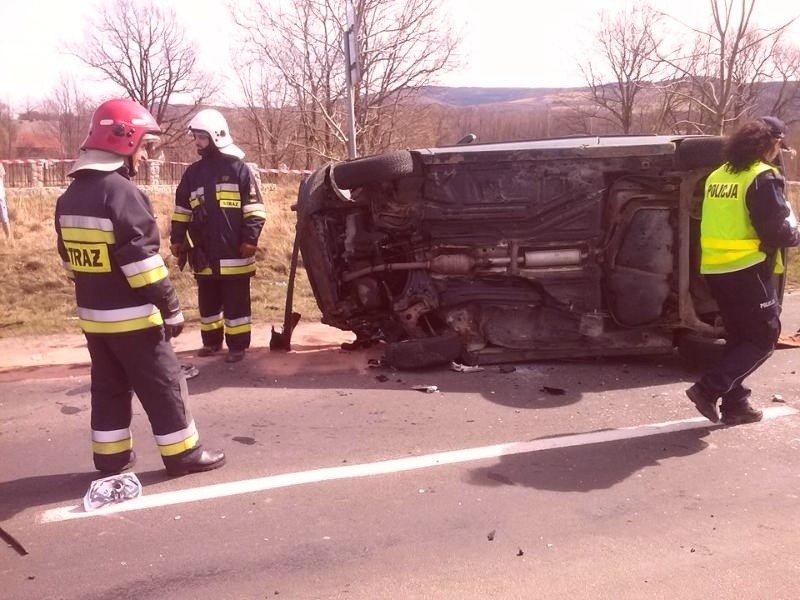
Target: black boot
column 704, row 404
column 113, row 464
column 195, row 462
column 740, row 412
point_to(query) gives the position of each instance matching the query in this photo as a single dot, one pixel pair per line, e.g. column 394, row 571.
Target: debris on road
column 112, row 490
column 490, row 537
column 777, row 398
column 13, row 542
column 428, row 389
column 507, row 369
column 553, row 391
column 458, row 367
column 244, row 439
column 382, row 378
column 789, row 341
column 520, row 552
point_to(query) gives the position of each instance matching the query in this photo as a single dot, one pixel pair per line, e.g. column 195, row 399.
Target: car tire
column 312, row 194
column 424, row 352
column 699, row 352
column 698, row 153
column 374, row 169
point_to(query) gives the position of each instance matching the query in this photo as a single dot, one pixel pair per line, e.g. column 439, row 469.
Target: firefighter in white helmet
column 108, row 240
column 217, row 221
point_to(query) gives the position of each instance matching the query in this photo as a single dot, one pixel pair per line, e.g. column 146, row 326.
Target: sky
column 506, row 43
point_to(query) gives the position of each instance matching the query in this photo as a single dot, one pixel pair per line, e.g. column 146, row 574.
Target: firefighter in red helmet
column 108, row 240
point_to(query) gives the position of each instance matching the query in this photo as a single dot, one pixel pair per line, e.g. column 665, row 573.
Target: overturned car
column 514, row 251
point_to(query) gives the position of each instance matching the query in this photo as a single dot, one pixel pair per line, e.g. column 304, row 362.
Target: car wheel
column 312, row 194
column 699, row 352
column 424, row 352
column 373, row 169
column 697, row 153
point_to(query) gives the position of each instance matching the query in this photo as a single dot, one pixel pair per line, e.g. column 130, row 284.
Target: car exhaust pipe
column 462, row 264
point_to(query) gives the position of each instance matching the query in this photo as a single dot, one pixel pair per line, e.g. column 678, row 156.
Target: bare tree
column 71, row 111
column 402, row 45
column 142, row 48
column 624, row 65
column 786, row 75
column 272, row 123
column 7, row 131
column 725, row 62
column 300, row 43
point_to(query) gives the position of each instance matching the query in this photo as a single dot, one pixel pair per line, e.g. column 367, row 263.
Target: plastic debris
column 789, row 341
column 454, row 366
column 112, row 490
column 428, row 389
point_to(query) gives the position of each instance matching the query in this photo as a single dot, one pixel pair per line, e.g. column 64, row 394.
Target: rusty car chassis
column 514, row 251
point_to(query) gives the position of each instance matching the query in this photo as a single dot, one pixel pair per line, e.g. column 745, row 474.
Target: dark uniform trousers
column 142, row 362
column 750, row 312
column 228, row 296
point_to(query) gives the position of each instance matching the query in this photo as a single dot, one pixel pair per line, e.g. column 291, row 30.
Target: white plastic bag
column 112, row 490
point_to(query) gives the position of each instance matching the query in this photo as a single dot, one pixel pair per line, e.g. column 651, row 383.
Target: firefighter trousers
column 224, row 304
column 748, row 305
column 145, row 363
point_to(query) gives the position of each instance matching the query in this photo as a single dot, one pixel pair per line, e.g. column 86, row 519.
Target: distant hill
column 513, row 97
column 477, row 96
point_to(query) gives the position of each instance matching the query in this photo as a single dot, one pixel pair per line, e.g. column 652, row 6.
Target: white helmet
column 214, row 124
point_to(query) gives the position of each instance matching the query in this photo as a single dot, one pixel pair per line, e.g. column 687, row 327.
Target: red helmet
column 119, row 126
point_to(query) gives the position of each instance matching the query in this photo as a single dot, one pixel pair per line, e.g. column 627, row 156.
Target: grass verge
column 37, row 298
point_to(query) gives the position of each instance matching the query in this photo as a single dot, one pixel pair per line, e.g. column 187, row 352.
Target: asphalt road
column 343, row 482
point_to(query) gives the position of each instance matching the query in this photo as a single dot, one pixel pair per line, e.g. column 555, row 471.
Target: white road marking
column 397, row 465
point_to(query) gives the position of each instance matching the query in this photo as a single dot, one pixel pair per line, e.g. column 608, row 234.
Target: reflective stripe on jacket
column 728, row 240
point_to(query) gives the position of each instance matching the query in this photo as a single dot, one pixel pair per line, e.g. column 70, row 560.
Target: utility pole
column 352, row 76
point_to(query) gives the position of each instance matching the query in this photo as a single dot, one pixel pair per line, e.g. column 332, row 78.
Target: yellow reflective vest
column 728, row 240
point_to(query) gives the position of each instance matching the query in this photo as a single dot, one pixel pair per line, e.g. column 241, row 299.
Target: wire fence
column 39, row 172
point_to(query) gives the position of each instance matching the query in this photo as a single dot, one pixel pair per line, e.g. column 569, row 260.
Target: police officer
column 745, row 221
column 218, row 218
column 108, row 240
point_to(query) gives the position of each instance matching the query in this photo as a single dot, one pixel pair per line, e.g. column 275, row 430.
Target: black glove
column 173, row 326
column 197, row 259
column 171, row 331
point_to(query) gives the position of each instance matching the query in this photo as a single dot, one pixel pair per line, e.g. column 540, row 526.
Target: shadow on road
column 591, row 466
column 21, row 494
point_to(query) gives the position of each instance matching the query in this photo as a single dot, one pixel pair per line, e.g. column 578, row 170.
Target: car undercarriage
column 510, row 252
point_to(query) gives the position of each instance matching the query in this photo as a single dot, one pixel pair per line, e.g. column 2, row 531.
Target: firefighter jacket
column 108, row 240
column 217, row 208
column 744, row 219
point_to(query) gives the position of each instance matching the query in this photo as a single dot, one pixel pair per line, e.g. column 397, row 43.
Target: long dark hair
column 747, row 145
